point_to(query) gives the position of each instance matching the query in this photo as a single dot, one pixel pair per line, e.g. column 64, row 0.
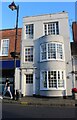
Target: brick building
column 74, row 30
column 7, row 42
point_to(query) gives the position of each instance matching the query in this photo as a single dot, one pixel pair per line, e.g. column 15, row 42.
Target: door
column 29, row 85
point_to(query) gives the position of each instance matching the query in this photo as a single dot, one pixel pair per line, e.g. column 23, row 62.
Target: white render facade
column 45, row 51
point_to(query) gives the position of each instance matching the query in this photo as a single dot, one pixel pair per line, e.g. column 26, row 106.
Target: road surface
column 14, row 111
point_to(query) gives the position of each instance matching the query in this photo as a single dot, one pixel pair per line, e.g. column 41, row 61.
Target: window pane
column 51, row 28
column 57, row 28
column 52, row 79
column 60, row 79
column 29, row 78
column 59, row 51
column 45, row 28
column 43, row 52
column 29, row 31
column 44, row 79
column 29, row 54
column 5, row 47
column 51, row 51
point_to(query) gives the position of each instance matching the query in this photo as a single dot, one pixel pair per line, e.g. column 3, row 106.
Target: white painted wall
column 17, row 79
column 38, row 22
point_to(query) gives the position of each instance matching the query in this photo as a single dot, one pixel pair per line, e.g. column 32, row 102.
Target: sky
column 8, row 17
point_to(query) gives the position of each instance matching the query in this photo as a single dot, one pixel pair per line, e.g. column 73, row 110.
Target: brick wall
column 74, row 30
column 10, row 34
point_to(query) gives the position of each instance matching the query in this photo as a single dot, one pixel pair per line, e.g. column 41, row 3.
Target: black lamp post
column 14, row 54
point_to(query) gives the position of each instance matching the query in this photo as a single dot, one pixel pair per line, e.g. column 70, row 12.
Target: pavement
column 42, row 101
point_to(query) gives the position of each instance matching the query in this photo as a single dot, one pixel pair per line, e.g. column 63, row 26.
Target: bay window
column 52, row 79
column 49, row 51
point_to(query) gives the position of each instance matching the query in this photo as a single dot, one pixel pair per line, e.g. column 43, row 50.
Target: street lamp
column 12, row 6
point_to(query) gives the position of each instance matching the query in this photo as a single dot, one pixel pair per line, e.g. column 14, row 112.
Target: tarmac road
column 14, row 111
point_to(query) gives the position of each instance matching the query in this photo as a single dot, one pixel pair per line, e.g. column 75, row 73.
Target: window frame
column 1, row 51
column 29, row 81
column 28, row 47
column 47, row 59
column 52, row 88
column 29, row 32
column 42, row 52
column 55, row 25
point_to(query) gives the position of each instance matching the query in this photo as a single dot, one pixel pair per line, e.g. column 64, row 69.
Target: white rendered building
column 45, row 51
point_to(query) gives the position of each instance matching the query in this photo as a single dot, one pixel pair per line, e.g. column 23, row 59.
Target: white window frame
column 28, row 31
column 47, row 59
column 52, row 88
column 29, row 81
column 54, row 51
column 1, row 54
column 51, row 22
column 41, row 52
column 59, row 51
column 27, row 47
column 60, row 77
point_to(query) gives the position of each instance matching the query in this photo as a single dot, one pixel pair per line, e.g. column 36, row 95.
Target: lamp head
column 12, row 6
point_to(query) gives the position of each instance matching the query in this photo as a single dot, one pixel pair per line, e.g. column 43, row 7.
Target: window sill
column 27, row 62
column 53, row 89
column 52, row 60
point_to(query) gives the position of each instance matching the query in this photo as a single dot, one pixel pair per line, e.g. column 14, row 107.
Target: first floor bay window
column 52, row 79
column 51, row 51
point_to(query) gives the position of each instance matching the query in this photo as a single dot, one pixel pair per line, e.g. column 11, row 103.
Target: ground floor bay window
column 52, row 80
